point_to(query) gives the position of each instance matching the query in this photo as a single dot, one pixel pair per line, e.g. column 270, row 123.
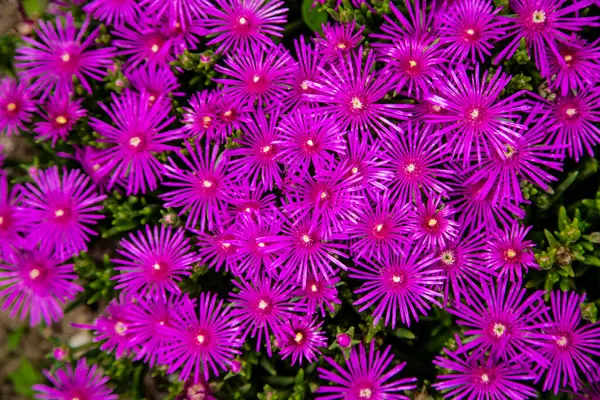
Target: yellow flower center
column 304, row 85
column 485, row 378
column 356, row 103
column 568, row 58
column 228, row 113
column 571, row 112
column 34, row 273
column 412, row 63
column 323, row 195
column 354, row 170
column 206, row 120
column 538, row 17
column 365, row 393
column 432, row 222
column 499, row 330
column 341, row 46
column 66, row 57
column 120, row 328
column 61, row 120
column 562, row 341
column 475, row 113
column 154, row 48
column 135, row 141
column 298, row 338
column 11, row 107
column 510, row 254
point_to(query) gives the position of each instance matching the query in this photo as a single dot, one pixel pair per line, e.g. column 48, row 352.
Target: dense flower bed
column 258, row 210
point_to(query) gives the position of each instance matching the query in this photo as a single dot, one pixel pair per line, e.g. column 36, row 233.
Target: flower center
column 356, row 103
column 538, row 17
column 207, row 184
column 206, row 120
column 485, row 378
column 266, row 149
column 135, row 141
column 470, row 32
column 304, row 85
column 448, row 258
column 61, row 120
column 255, row 78
column 365, row 393
column 34, row 273
column 412, row 63
column 156, row 266
column 354, row 170
column 155, row 48
column 510, row 151
column 242, row 21
column 341, row 46
column 225, row 245
column 379, row 227
column 299, row 337
column 499, row 329
column 59, row 213
column 65, row 57
column 262, row 305
column 571, row 112
column 323, row 195
column 562, row 341
column 228, row 113
column 432, row 222
column 200, row 338
column 152, row 98
column 396, row 278
column 261, row 245
column 510, row 254
column 568, row 58
column 96, row 167
column 310, row 143
column 474, row 114
column 314, row 288
column 120, row 328
column 410, row 168
column 11, row 107
column 1, row 220
column 306, row 239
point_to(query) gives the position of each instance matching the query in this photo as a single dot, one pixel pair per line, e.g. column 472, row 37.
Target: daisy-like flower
column 352, row 92
column 262, row 307
column 509, row 252
column 35, row 284
column 338, row 40
column 58, row 210
column 200, row 116
column 478, row 377
column 203, row 342
column 11, row 224
column 61, row 53
column 576, row 66
column 367, row 375
column 144, row 43
column 218, row 248
column 139, row 133
column 420, row 24
column 249, row 200
column 332, row 195
column 476, row 120
column 301, row 338
column 111, row 12
column 368, row 162
column 572, row 122
column 257, row 154
column 432, row 225
column 258, row 76
column 16, row 106
column 239, row 24
column 99, row 174
column 200, row 187
column 571, row 344
column 543, row 24
column 414, row 64
column 308, row 137
column 308, row 69
column 381, row 230
column 81, row 382
column 462, row 262
column 304, row 251
column 502, row 319
column 148, row 320
column 182, row 12
column 319, row 293
column 469, row 30
column 61, row 116
column 113, row 327
column 184, row 31
column 399, row 287
column 418, row 160
column 231, row 112
column 255, row 253
column 158, row 81
column 528, row 157
column 153, row 261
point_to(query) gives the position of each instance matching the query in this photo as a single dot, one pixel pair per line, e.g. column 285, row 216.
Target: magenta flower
column 231, row 113
column 158, row 81
column 113, row 327
column 352, row 92
column 476, row 119
column 200, row 187
column 111, row 12
column 503, row 319
column 543, row 24
column 239, row 24
column 99, row 174
column 575, row 66
column 203, row 342
column 61, row 116
column 570, row 346
column 35, row 284
column 338, row 40
column 301, row 338
column 432, row 225
column 12, row 225
column 319, row 293
column 367, row 375
column 308, row 69
column 81, row 382
column 248, row 200
column 462, row 262
column 148, row 320
column 218, row 248
column 308, row 137
column 154, row 261
column 304, row 250
column 470, row 29
column 144, row 43
column 420, row 24
column 258, row 76
column 16, row 106
column 510, row 254
column 572, row 122
column 262, row 307
column 58, row 211
column 200, row 117
column 257, row 154
column 418, row 160
column 381, row 231
column 399, row 287
column 253, row 250
column 60, row 54
column 133, row 143
column 478, row 377
column 182, row 12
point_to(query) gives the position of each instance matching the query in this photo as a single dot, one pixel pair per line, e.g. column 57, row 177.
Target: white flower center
column 436, row 108
column 228, row 113
column 261, row 245
column 262, row 304
column 562, row 341
column 242, row 21
column 356, row 103
column 396, row 279
column 207, row 184
column 485, row 378
column 304, row 85
column 306, row 239
column 266, row 149
column 120, row 328
column 341, row 46
column 354, row 170
column 568, row 58
column 365, row 393
column 96, row 167
column 154, row 48
column 571, row 112
column 538, row 17
column 34, row 273
column 499, row 329
column 156, row 266
column 470, row 32
column 135, row 141
column 475, row 113
column 59, row 213
column 313, row 287
column 255, row 78
column 410, row 168
column 66, row 57
column 1, row 220
column 310, row 143
column 412, row 63
column 200, row 338
column 379, row 227
column 447, row 257
column 323, row 195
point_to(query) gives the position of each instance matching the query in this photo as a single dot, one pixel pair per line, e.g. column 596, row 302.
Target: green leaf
column 563, row 219
column 24, row 377
column 14, row 338
column 593, row 237
column 313, row 17
column 34, row 8
column 592, row 260
column 404, row 333
column 550, row 238
column 565, row 284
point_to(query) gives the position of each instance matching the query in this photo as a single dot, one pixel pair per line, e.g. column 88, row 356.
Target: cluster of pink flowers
column 396, row 165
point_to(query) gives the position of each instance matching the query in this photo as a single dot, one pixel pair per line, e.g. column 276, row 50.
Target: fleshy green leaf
column 313, row 17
